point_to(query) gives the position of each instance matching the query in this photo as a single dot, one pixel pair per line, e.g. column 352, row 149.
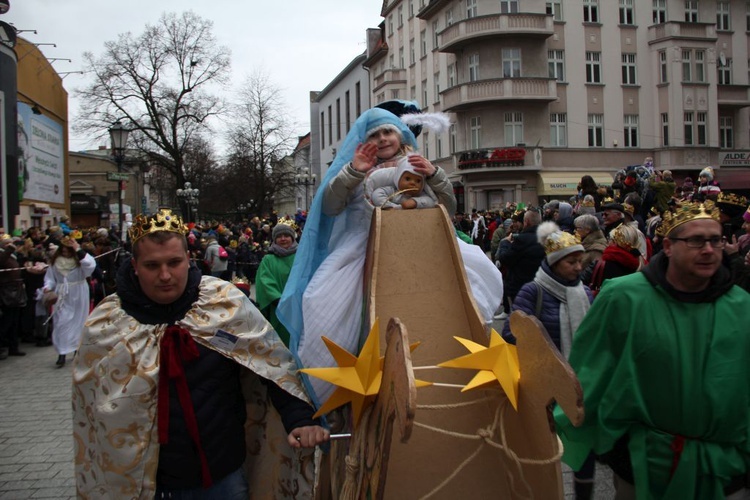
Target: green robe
column 270, row 281
column 652, row 367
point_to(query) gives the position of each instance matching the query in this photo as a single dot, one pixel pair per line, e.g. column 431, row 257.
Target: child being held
column 400, row 188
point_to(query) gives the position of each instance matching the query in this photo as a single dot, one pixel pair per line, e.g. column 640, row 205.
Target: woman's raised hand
column 365, row 157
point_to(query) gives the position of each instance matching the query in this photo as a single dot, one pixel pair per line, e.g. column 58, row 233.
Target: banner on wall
column 41, row 162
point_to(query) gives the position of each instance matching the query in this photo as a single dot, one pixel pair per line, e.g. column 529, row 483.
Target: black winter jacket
column 521, row 259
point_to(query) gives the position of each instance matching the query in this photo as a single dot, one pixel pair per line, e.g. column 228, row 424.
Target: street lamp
column 118, row 134
column 307, row 179
column 189, row 196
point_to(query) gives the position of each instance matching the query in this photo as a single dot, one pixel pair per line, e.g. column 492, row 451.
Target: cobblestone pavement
column 36, row 443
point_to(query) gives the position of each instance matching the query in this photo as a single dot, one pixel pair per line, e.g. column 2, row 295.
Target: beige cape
column 115, row 381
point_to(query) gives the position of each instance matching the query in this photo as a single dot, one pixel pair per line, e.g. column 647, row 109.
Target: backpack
column 597, row 278
column 223, row 255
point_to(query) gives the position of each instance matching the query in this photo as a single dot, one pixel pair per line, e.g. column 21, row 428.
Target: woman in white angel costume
column 324, row 295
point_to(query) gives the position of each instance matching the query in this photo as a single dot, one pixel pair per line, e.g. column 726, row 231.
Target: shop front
column 89, row 211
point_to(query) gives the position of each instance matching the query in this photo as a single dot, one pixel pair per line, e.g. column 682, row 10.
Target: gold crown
column 618, row 236
column 588, row 203
column 163, row 220
column 76, row 235
column 559, row 241
column 608, row 199
column 287, row 221
column 731, row 199
column 687, row 212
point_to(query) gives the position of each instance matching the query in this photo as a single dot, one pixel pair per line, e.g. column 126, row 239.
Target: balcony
column 394, row 75
column 456, row 36
column 467, row 95
column 733, row 96
column 681, row 31
column 498, row 158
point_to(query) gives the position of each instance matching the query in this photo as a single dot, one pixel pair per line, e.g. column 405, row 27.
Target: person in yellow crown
column 662, row 360
column 160, row 380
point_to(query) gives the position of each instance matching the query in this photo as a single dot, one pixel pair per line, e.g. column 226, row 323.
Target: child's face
column 388, row 142
column 410, row 182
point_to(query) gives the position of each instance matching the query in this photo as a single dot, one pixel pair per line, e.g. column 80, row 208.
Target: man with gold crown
column 662, row 360
column 160, row 385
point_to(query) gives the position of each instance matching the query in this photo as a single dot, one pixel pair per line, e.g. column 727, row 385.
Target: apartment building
column 543, row 92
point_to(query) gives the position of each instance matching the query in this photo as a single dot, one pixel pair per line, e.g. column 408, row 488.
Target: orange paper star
column 496, row 363
column 357, row 378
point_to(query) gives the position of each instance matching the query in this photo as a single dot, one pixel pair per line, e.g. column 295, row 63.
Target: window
column 348, row 111
column 436, row 39
column 508, row 6
column 424, row 93
column 691, row 11
column 390, row 25
column 411, row 8
column 693, row 65
column 629, row 75
column 688, row 118
column 330, row 125
column 471, row 9
column 412, row 52
column 401, row 57
column 511, row 63
column 665, row 129
column 723, row 16
column 626, row 12
column 556, row 64
column 322, row 130
column 513, row 128
column 725, row 72
column 413, row 92
column 663, row 77
column 453, row 140
column 558, row 129
column 475, row 132
column 448, row 17
column 400, row 15
column 630, row 130
column 555, row 9
column 726, row 132
column 451, row 75
column 436, row 79
column 426, row 139
column 439, row 147
column 747, row 16
column 474, row 67
column 591, row 11
column 392, row 61
column 338, row 119
column 395, row 94
column 659, row 11
column 596, row 131
column 593, row 67
column 423, row 42
column 700, row 126
column 358, row 98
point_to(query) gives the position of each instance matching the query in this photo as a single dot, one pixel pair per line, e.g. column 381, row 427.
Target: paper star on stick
column 357, row 377
column 496, row 363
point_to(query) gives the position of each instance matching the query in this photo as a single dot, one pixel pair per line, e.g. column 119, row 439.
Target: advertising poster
column 41, row 164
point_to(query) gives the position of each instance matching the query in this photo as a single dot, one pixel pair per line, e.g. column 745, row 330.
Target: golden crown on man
column 686, row 212
column 163, row 220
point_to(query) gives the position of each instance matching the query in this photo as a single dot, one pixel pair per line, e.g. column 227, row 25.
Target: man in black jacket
column 521, row 254
column 168, row 358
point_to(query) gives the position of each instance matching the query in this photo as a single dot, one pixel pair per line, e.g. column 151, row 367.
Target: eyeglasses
column 700, row 242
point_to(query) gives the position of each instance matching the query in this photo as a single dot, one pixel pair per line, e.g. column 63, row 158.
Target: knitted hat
column 708, row 173
column 280, row 229
column 557, row 244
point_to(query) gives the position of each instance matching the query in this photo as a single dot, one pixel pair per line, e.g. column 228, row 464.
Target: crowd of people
column 642, row 285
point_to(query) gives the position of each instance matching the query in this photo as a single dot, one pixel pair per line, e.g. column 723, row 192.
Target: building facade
column 543, row 92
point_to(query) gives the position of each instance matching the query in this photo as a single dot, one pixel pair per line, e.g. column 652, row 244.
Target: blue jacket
column 549, row 316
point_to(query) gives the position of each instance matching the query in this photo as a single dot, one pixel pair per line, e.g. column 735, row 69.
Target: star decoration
column 357, row 378
column 496, row 363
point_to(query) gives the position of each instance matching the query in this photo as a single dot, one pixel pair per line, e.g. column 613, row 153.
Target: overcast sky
column 301, row 44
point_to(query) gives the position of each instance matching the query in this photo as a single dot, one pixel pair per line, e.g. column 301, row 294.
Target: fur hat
column 557, row 243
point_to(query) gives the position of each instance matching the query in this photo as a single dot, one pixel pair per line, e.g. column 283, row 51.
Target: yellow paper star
column 357, row 378
column 498, row 362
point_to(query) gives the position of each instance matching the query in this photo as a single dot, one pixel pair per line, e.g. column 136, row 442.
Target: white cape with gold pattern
column 115, row 381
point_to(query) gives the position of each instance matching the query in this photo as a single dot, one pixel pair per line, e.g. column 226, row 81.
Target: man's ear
column 667, row 247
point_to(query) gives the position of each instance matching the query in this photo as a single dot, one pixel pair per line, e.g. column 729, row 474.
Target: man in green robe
column 273, row 274
column 662, row 357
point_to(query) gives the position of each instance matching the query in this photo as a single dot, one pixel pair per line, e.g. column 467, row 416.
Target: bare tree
column 159, row 83
column 259, row 142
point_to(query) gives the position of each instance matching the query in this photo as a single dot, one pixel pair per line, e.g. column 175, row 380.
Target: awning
column 566, row 183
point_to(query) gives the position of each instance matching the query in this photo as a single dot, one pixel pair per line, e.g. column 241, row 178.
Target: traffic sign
column 117, row 176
